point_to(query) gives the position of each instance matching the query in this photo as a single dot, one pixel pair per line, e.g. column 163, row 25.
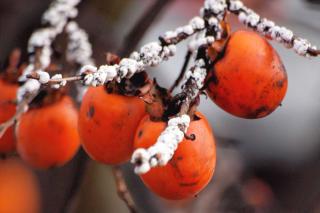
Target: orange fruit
column 48, row 136
column 107, row 125
column 250, row 80
column 7, row 110
column 19, row 190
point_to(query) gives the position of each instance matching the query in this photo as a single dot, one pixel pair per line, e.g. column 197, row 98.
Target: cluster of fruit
column 246, row 79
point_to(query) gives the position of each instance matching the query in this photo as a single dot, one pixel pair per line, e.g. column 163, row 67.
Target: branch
column 21, row 109
column 182, row 72
column 140, row 28
column 151, row 54
column 272, row 31
column 122, row 189
column 78, row 175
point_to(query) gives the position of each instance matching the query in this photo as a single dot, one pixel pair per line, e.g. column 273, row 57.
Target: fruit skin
column 8, row 93
column 107, row 125
column 249, row 81
column 19, row 190
column 192, row 165
column 48, row 136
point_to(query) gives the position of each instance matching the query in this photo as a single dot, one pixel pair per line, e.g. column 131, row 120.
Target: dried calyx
column 12, row 68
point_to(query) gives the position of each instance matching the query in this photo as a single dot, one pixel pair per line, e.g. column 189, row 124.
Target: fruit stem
column 21, row 108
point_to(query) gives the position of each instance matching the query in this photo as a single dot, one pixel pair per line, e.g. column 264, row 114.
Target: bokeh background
column 266, row 165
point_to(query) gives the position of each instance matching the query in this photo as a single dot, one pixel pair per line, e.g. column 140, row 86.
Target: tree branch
column 182, row 72
column 122, row 189
column 140, row 28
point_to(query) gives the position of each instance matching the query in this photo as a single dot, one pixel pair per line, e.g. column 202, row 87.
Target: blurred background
column 265, row 165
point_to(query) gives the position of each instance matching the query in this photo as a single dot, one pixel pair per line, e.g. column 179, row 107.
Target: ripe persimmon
column 7, row 110
column 249, row 80
column 19, row 190
column 192, row 165
column 47, row 136
column 107, row 125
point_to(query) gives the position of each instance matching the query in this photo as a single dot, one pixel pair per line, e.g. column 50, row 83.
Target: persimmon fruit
column 249, row 79
column 19, row 190
column 8, row 93
column 192, row 165
column 47, row 136
column 107, row 125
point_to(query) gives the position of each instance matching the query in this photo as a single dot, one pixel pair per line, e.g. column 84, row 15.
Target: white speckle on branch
column 196, row 43
column 198, row 73
column 79, row 49
column 197, row 23
column 60, row 84
column 44, row 77
column 217, row 7
column 31, row 86
column 301, row 46
column 151, row 54
column 235, row 5
column 163, row 150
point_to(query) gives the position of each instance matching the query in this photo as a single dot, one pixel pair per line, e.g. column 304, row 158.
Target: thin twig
column 35, row 76
column 122, row 189
column 21, row 108
column 140, row 28
column 182, row 72
column 81, row 165
column 313, row 52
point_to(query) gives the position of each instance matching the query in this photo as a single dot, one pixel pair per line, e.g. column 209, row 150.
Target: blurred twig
column 122, row 189
column 143, row 24
column 76, row 182
column 182, row 72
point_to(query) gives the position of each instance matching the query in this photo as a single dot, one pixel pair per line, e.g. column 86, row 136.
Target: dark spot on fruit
column 188, row 184
column 140, row 133
column 279, row 84
column 282, row 67
column 96, row 122
column 195, row 174
column 176, row 168
column 258, row 112
column 91, row 112
column 179, row 158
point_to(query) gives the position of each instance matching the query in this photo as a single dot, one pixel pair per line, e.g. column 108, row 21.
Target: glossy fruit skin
column 107, row 124
column 249, row 81
column 19, row 190
column 48, row 136
column 192, row 165
column 8, row 93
